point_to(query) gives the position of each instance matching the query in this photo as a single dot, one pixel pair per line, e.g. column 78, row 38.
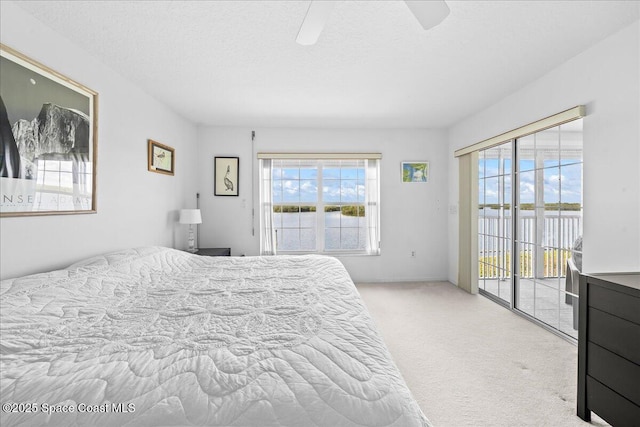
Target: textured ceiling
column 236, row 63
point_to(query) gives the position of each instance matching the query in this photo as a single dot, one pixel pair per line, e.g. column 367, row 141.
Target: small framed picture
column 415, row 171
column 161, row 158
column 226, row 176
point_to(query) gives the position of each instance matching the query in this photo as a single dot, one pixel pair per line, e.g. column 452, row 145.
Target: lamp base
column 192, row 241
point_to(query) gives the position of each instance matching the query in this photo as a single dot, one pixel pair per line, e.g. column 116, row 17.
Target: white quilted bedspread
column 156, row 336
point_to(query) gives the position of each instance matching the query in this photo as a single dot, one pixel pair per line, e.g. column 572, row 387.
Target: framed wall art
column 48, row 140
column 415, row 171
column 160, row 158
column 226, row 176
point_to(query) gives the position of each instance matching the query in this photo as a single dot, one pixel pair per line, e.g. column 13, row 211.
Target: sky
column 300, row 184
column 345, row 183
column 558, row 151
column 24, row 90
column 562, row 181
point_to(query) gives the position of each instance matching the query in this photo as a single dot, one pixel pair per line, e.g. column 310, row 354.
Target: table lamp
column 191, row 216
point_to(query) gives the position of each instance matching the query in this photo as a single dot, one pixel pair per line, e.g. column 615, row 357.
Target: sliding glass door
column 495, row 222
column 529, row 232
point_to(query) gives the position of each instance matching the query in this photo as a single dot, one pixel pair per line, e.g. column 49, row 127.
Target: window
column 63, row 182
column 495, row 220
column 323, row 205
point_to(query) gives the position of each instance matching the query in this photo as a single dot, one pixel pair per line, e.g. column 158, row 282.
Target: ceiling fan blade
column 314, row 21
column 429, row 13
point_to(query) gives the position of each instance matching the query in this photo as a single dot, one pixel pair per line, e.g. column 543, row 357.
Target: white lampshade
column 190, row 216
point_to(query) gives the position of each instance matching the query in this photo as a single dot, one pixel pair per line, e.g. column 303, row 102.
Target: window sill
column 330, row 253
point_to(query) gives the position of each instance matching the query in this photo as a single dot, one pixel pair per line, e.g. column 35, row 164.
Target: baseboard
column 404, row 280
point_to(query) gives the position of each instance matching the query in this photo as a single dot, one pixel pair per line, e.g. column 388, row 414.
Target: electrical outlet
column 413, row 254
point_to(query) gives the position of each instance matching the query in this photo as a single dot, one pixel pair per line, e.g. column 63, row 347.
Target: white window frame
column 68, row 197
column 371, row 203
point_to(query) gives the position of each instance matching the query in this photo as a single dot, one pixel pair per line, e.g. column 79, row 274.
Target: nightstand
column 214, row 252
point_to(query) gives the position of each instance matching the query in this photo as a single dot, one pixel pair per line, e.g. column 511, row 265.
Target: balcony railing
column 557, row 233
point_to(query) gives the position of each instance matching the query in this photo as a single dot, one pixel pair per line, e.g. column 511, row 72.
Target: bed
column 156, row 336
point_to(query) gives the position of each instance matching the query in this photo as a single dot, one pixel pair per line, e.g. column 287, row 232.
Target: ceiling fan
column 428, row 12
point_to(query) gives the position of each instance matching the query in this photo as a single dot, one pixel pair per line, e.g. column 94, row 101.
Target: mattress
column 156, row 336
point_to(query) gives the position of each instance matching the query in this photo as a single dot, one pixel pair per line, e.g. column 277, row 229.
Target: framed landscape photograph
column 48, row 140
column 226, row 176
column 160, row 158
column 415, row 171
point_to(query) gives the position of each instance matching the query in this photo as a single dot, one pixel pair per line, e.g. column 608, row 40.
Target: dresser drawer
column 615, row 334
column 612, row 407
column 617, row 303
column 614, row 372
column 609, row 348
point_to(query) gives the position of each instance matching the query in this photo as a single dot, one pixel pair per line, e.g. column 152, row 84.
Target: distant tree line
column 293, row 209
column 531, row 206
column 348, row 210
column 351, row 210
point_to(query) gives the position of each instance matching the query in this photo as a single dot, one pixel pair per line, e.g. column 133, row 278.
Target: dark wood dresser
column 609, row 348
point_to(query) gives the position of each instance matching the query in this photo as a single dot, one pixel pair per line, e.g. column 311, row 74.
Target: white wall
column 605, row 78
column 135, row 207
column 413, row 216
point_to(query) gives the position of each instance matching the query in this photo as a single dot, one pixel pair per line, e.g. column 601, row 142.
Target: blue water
column 297, row 231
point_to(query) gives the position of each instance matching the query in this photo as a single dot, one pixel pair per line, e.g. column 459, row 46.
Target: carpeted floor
column 471, row 362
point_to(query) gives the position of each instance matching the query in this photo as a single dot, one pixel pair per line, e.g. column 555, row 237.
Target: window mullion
column 320, row 221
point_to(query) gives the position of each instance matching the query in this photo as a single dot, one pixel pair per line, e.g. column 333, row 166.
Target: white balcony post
column 539, row 212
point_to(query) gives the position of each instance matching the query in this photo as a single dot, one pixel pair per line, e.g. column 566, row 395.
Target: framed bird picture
column 161, row 158
column 226, row 176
